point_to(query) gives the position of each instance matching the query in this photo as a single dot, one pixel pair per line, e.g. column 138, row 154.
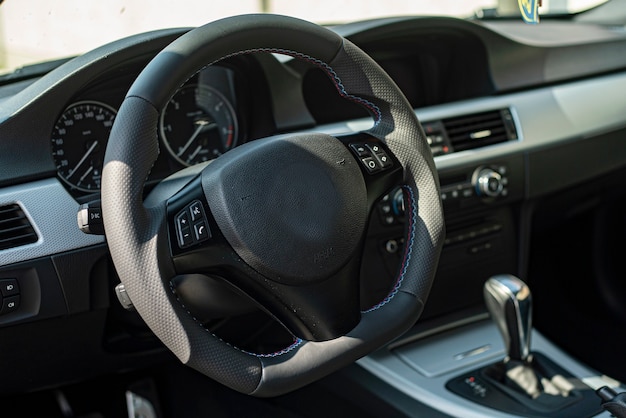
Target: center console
column 476, row 367
column 454, row 359
column 424, row 366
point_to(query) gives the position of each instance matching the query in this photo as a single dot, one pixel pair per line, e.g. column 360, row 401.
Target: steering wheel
column 282, row 219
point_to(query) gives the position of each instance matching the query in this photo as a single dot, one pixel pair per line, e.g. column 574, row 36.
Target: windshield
column 39, row 30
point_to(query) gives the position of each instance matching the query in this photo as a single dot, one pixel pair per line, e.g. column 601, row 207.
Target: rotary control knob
column 397, row 202
column 487, row 182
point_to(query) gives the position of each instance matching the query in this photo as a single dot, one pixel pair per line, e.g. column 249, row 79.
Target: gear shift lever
column 523, row 384
column 510, row 305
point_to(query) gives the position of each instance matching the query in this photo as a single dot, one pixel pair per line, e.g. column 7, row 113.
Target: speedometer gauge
column 79, row 140
column 198, row 124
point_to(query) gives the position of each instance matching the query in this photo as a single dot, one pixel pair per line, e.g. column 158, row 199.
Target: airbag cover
column 294, row 208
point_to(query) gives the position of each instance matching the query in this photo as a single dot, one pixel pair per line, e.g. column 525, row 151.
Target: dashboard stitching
column 407, row 252
column 297, row 341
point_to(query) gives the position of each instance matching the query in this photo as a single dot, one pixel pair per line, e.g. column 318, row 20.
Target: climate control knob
column 487, row 182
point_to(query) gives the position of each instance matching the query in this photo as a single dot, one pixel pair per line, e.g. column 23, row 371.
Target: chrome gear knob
column 509, row 302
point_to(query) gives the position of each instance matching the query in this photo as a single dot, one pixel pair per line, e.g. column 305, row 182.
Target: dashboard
column 208, row 115
column 513, row 114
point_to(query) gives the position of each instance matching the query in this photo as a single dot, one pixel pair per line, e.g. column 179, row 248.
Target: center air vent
column 480, row 129
column 15, row 229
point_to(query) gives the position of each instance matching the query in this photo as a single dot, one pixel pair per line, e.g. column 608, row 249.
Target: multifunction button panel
column 372, row 156
column 192, row 226
column 10, row 295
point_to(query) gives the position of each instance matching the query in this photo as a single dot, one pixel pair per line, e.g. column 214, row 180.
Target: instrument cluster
column 198, row 124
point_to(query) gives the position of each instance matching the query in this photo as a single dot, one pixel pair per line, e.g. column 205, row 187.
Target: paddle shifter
column 510, row 305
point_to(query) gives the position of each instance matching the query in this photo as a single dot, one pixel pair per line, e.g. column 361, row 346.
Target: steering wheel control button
column 183, row 230
column 384, row 159
column 182, row 220
column 371, row 165
column 360, row 150
column 10, row 304
column 192, row 225
column 373, row 157
column 201, row 232
column 196, row 211
column 9, row 287
column 380, row 155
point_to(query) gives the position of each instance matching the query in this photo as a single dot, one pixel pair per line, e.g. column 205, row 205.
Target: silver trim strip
column 409, row 337
column 52, row 212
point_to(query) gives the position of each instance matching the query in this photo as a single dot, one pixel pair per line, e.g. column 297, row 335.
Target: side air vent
column 15, row 229
column 480, row 129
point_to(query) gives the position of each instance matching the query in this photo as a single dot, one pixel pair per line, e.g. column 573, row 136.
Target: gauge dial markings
column 78, row 143
column 82, row 160
column 198, row 124
column 203, row 125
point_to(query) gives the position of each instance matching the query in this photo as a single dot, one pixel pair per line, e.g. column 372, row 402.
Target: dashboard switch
column 9, row 287
column 10, row 304
column 487, row 182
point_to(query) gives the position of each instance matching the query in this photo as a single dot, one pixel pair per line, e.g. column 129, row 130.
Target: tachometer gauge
column 198, row 124
column 79, row 140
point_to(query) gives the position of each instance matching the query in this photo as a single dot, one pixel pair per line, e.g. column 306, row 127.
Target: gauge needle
column 86, row 174
column 193, row 154
column 82, row 160
column 202, row 125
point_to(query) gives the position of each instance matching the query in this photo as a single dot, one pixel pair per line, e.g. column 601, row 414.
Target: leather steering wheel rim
column 138, row 235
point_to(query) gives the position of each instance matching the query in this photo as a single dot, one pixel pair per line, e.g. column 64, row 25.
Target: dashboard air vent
column 15, row 229
column 480, row 129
